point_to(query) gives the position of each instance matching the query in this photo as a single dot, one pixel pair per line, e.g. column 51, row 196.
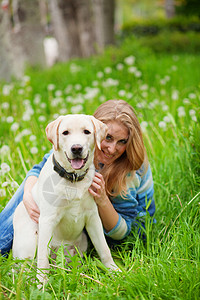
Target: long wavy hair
column 135, row 154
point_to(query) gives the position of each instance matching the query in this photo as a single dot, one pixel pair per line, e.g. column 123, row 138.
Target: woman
column 122, row 187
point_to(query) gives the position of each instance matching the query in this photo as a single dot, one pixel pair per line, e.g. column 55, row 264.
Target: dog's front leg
column 45, row 234
column 95, row 230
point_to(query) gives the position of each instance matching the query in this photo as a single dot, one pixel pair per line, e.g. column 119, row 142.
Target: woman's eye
column 66, row 132
column 123, row 142
column 87, row 131
column 108, row 137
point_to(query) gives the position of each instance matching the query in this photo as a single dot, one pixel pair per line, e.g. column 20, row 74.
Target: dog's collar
column 73, row 177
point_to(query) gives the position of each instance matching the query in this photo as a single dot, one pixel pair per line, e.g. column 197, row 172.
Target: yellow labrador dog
column 61, row 193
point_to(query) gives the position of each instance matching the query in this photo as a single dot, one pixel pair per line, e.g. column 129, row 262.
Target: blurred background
column 44, row 32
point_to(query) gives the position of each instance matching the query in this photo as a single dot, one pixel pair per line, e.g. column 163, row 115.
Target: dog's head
column 74, row 138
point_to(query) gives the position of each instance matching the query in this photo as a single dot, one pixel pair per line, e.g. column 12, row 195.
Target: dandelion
column 5, row 168
column 14, row 185
column 32, row 138
column 102, row 98
column 76, row 109
column 144, row 125
column 75, row 68
column 121, row 93
column 5, row 105
column 63, row 111
column 140, row 105
column 110, row 82
column 37, row 99
column 4, row 149
column 10, row 119
column 91, row 92
column 26, row 117
column 68, row 89
column 194, row 118
column 181, row 111
column 95, row 83
column 51, row 87
column 100, row 74
column 174, row 68
column 43, row 105
column 55, row 116
column 25, row 79
column 162, row 81
column 138, row 74
column 14, row 127
column 69, row 99
column 192, row 96
column 165, row 107
column 132, row 70
column 175, row 95
column 129, row 95
column 130, row 60
column 5, row 184
column 6, row 90
column 108, row 70
column 186, row 101
column 58, row 93
column 20, row 92
column 26, row 132
column 34, row 150
column 162, row 125
column 42, row 119
column 2, row 193
column 78, row 87
column 167, row 119
column 119, row 67
column 144, row 87
column 192, row 112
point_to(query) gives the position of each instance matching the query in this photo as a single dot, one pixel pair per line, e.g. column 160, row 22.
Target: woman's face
column 114, row 145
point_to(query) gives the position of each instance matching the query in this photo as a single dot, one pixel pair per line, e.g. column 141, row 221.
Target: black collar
column 73, row 177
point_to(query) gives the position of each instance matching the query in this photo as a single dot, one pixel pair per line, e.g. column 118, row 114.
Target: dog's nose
column 76, row 149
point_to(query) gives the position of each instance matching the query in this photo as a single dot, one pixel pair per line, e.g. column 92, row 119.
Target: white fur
column 65, row 207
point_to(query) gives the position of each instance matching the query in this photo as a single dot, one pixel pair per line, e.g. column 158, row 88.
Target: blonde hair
column 135, row 154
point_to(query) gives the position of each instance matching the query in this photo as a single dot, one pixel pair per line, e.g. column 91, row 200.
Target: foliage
column 164, row 90
column 145, row 27
column 189, row 8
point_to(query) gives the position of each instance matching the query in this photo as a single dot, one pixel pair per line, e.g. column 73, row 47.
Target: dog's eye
column 66, row 132
column 86, row 131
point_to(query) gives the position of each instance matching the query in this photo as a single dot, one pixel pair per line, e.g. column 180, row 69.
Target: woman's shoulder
column 136, row 178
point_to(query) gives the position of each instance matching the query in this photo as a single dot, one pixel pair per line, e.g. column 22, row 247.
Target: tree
column 21, row 37
column 170, row 8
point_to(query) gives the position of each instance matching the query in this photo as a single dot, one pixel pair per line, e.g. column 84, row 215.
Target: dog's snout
column 77, row 149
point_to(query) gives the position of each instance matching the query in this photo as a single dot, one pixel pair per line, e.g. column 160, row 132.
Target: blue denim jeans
column 6, row 220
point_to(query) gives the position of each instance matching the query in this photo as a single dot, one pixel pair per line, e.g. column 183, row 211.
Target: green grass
column 164, row 90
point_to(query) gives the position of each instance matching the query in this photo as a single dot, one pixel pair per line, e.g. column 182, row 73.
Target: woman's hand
column 97, row 190
column 107, row 213
column 28, row 200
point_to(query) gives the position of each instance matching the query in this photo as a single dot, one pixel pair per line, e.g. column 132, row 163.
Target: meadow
column 164, row 91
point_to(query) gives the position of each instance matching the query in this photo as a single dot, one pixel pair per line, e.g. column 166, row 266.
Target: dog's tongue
column 77, row 163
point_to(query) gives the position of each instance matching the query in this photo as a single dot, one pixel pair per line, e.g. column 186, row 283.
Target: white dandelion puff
column 34, row 150
column 130, row 60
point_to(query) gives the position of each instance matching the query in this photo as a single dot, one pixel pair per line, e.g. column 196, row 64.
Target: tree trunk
column 21, row 38
column 85, row 28
column 104, row 11
column 169, row 8
column 65, row 29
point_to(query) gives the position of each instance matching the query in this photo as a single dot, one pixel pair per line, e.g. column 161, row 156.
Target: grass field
column 164, row 90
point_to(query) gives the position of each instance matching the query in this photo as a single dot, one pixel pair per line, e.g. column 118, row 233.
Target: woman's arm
column 28, row 200
column 108, row 214
column 31, row 179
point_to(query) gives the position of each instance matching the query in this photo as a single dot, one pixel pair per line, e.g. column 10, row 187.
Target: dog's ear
column 100, row 130
column 52, row 132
